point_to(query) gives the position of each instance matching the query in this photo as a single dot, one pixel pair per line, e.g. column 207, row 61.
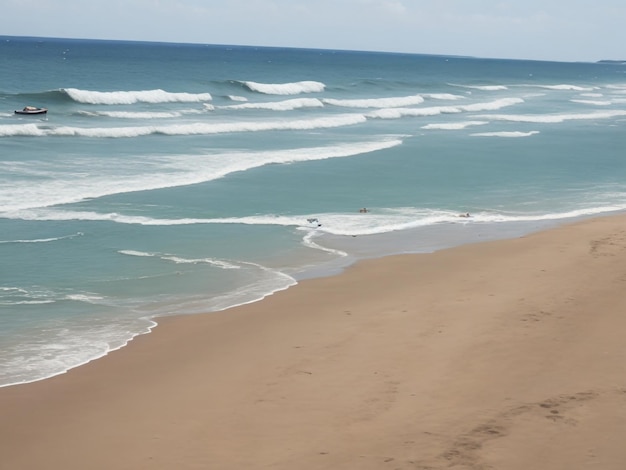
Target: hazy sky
column 564, row 30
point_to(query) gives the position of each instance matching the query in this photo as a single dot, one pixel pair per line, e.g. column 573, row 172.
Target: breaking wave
column 385, row 220
column 294, row 88
column 131, row 97
column 505, row 134
column 287, row 105
column 133, row 114
column 14, row 200
column 554, row 118
column 397, row 113
column 391, row 102
column 453, row 126
column 197, row 128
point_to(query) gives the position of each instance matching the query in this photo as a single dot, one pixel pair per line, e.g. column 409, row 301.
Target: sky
column 560, row 30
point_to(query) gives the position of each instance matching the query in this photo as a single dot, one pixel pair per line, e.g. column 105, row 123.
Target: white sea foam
column 28, row 302
column 44, row 240
column 554, row 118
column 334, row 223
column 382, row 220
column 30, row 129
column 565, row 87
column 200, row 128
column 11, row 289
column 617, row 87
column 443, row 96
column 267, row 282
column 53, row 349
column 505, row 134
column 196, row 128
column 377, row 221
column 35, row 295
column 397, row 113
column 593, row 102
column 214, row 262
column 137, row 253
column 134, row 114
column 508, row 217
column 294, row 88
column 617, row 90
column 237, row 98
column 34, row 359
column 177, row 170
column 287, row 105
column 391, row 102
column 88, row 298
column 131, row 97
column 484, row 87
column 454, row 125
column 178, row 260
column 309, row 238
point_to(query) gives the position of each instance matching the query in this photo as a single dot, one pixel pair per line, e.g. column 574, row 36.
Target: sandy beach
column 505, row 355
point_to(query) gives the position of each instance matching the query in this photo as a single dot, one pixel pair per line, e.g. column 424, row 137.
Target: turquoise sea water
column 171, row 179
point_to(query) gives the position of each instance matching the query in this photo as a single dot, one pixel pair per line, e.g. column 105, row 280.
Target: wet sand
column 501, row 355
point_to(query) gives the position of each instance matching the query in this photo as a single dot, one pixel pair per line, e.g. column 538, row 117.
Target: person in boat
column 31, row 110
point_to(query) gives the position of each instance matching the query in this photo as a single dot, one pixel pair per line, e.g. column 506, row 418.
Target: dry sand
column 502, row 355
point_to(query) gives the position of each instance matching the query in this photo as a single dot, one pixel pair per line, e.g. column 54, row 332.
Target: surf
column 293, row 88
column 132, row 97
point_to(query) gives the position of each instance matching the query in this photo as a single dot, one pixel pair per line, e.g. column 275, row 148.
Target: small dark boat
column 31, row 110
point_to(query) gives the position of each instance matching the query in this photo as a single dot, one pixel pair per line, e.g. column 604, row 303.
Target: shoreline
column 503, row 353
column 418, row 240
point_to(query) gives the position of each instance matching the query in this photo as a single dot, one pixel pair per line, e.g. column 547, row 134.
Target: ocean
column 172, row 179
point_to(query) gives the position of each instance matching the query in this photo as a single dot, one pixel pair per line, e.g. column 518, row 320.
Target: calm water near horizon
column 177, row 179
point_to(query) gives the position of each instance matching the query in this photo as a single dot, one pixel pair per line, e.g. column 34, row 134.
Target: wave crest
column 21, row 202
column 554, row 118
column 453, row 126
column 392, row 102
column 397, row 113
column 294, row 88
column 505, row 134
column 131, row 97
column 198, row 128
column 287, row 105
